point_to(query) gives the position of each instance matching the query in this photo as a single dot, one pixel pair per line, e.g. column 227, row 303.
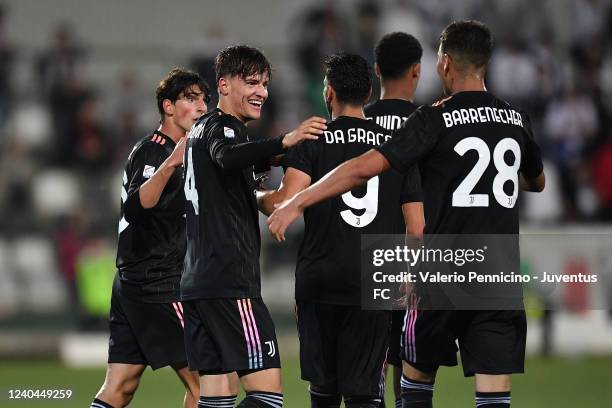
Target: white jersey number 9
column 369, row 203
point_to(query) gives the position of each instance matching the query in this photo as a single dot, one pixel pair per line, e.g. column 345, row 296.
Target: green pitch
column 548, row 383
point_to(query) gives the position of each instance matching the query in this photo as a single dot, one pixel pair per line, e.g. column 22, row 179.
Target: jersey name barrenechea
column 355, row 135
column 481, row 114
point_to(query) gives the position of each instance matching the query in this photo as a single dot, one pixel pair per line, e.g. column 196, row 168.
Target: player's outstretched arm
column 535, row 184
column 232, row 156
column 343, row 178
column 152, row 189
column 293, row 182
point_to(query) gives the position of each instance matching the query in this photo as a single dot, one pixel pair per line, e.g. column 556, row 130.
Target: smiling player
column 227, row 326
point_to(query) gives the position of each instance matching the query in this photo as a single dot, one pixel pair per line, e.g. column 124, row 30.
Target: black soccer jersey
column 223, row 241
column 389, row 113
column 328, row 266
column 151, row 246
column 470, row 148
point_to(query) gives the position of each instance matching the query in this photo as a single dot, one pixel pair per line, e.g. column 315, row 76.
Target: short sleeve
column 415, row 138
column 531, row 160
column 220, row 137
column 143, row 164
column 301, row 157
column 411, row 186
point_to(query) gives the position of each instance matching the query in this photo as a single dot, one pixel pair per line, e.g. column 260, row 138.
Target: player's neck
column 398, row 89
column 171, row 130
column 227, row 108
column 348, row 110
column 468, row 83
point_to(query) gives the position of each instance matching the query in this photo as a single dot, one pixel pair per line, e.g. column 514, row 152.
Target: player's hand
column 310, row 129
column 285, row 213
column 176, row 157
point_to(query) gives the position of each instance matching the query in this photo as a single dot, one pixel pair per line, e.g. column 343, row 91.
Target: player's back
column 389, row 113
column 474, row 146
column 328, row 268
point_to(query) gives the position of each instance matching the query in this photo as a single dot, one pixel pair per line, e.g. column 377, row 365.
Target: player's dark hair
column 395, row 53
column 242, row 61
column 469, row 43
column 175, row 83
column 350, row 76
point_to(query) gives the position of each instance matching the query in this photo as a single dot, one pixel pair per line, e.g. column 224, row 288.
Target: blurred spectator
column 513, row 73
column 367, row 27
column 90, row 141
column 59, row 74
column 7, row 54
column 126, row 108
column 602, row 180
column 589, row 21
column 321, row 31
column 17, row 169
column 569, row 123
column 69, row 243
column 203, row 58
column 95, row 270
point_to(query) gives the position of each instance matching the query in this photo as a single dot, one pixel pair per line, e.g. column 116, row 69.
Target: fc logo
column 272, row 348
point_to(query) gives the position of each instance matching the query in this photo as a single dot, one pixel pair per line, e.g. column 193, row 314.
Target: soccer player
column 146, row 317
column 397, row 65
column 228, row 329
column 457, row 199
column 333, row 330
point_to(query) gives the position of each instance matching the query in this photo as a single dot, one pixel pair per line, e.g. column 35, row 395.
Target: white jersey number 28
column 369, row 203
column 463, row 196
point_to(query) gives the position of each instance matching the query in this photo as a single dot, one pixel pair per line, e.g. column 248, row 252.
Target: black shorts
column 225, row 335
column 490, row 342
column 395, row 337
column 343, row 348
column 146, row 333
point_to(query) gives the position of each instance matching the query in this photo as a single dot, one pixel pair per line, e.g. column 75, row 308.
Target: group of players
column 187, row 290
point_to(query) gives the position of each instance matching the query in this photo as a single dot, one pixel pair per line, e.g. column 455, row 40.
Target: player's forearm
column 267, row 199
column 152, row 189
column 414, row 219
column 247, row 154
column 340, row 180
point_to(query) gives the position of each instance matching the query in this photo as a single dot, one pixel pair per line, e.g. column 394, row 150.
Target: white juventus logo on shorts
column 272, row 351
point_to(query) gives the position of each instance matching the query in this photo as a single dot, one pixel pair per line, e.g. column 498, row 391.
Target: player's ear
column 377, row 69
column 224, row 86
column 328, row 92
column 416, row 70
column 168, row 107
column 447, row 62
